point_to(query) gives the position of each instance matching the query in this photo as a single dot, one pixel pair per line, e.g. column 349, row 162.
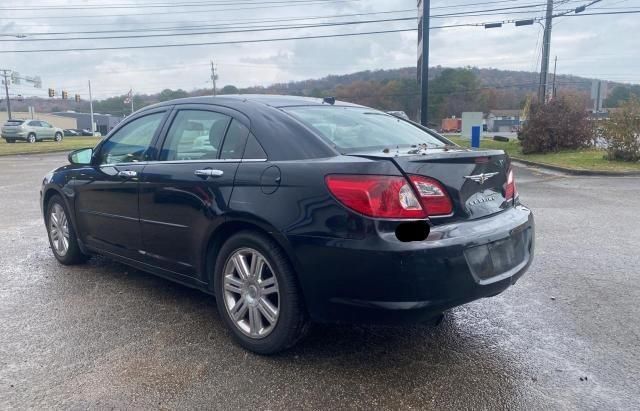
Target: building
column 104, row 122
column 54, row 120
column 504, row 121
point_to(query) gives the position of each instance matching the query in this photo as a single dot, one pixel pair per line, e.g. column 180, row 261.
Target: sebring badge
column 480, row 178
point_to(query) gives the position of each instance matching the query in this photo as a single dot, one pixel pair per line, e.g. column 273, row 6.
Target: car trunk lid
column 474, row 179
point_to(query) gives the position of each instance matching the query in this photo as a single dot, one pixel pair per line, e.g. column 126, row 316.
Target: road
column 106, row 336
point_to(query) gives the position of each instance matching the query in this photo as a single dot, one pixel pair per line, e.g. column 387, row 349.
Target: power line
column 307, row 2
column 290, row 27
column 82, row 16
column 220, row 24
column 161, row 5
column 213, row 43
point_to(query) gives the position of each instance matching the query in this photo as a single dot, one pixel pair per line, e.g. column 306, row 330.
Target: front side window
column 195, row 135
column 351, row 129
column 130, row 142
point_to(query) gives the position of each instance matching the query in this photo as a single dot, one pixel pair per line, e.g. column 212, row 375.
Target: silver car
column 30, row 131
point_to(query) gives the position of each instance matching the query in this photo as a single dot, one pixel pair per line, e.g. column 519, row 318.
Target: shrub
column 561, row 124
column 622, row 132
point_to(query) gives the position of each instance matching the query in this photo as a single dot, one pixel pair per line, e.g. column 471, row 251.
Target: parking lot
column 104, row 335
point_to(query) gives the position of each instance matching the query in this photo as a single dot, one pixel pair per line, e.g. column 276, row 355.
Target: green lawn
column 591, row 159
column 67, row 144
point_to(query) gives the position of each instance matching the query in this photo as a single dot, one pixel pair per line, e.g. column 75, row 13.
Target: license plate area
column 499, row 259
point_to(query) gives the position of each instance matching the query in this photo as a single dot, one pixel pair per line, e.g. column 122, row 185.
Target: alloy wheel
column 59, row 230
column 251, row 293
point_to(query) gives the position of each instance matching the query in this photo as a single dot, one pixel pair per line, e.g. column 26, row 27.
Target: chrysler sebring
column 292, row 210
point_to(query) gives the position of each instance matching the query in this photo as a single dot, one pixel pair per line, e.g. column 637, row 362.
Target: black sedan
column 291, row 210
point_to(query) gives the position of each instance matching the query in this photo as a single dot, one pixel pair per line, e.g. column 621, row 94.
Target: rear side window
column 34, row 123
column 351, row 129
column 235, row 141
column 253, row 150
column 195, row 135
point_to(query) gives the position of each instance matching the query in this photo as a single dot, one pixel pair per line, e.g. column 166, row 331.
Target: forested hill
column 452, row 91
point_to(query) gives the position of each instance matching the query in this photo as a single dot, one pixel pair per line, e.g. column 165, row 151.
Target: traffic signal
column 52, row 92
column 65, row 95
column 77, row 98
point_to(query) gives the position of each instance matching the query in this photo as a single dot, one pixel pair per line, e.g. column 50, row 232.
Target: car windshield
column 351, row 129
column 14, row 122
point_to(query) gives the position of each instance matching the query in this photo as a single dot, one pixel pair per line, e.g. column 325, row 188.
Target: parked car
column 71, row 132
column 86, row 132
column 295, row 211
column 30, row 131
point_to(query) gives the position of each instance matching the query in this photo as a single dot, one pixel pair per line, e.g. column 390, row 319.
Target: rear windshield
column 13, row 122
column 351, row 129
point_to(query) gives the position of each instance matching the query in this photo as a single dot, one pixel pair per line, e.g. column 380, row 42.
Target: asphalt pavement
column 104, row 335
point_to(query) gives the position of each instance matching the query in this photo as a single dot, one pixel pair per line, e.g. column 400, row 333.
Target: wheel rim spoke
column 59, row 230
column 268, row 310
column 269, row 286
column 253, row 303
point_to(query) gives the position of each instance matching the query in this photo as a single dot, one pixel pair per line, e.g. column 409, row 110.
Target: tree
column 452, row 92
column 168, row 94
column 229, row 89
column 560, row 124
column 620, row 94
column 622, row 132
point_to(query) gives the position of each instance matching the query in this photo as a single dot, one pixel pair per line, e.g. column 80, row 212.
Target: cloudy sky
column 602, row 46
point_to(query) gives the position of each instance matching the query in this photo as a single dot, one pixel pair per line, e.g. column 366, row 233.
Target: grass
column 589, row 159
column 67, row 144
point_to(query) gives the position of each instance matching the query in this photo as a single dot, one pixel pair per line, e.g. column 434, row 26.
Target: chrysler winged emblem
column 480, row 178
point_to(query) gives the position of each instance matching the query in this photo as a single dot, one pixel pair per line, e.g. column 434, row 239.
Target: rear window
column 351, row 129
column 14, row 122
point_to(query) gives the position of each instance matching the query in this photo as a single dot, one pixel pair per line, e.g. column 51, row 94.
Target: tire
column 57, row 137
column 59, row 229
column 282, row 327
column 31, row 138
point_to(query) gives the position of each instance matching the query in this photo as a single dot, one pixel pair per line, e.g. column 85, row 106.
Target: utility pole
column 424, row 7
column 214, row 77
column 546, row 46
column 5, row 75
column 555, row 70
column 91, row 108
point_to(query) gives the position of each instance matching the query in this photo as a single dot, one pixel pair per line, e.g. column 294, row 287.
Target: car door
column 47, row 130
column 185, row 194
column 35, row 127
column 106, row 193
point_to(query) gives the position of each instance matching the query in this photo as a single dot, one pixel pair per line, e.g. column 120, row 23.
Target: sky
column 598, row 46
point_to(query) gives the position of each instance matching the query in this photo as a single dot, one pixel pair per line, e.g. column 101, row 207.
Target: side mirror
column 81, row 156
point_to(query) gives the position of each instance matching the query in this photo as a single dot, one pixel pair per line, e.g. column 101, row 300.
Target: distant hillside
column 469, row 89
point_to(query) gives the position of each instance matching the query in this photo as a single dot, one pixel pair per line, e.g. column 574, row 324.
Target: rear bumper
column 382, row 280
column 15, row 136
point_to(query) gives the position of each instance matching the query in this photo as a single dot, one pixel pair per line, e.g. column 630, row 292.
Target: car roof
column 273, row 100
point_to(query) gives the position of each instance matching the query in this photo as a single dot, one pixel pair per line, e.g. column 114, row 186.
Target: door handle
column 127, row 174
column 208, row 172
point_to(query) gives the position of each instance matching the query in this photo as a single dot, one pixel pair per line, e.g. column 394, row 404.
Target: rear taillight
column 433, row 196
column 510, row 191
column 376, row 196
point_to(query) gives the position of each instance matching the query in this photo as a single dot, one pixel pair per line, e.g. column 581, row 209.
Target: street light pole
column 91, row 108
column 546, row 46
column 424, row 7
column 5, row 75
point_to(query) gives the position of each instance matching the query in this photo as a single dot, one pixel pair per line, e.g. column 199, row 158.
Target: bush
column 622, row 132
column 561, row 124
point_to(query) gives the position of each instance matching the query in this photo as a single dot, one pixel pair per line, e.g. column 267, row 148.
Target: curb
column 576, row 172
